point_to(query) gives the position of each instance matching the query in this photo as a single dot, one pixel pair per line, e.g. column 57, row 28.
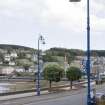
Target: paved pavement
column 77, row 99
column 9, row 97
column 62, row 98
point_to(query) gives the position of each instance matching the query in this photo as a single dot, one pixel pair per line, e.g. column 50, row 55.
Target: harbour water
column 6, row 87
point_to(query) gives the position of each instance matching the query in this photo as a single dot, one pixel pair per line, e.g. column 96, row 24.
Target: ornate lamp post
column 88, row 51
column 40, row 39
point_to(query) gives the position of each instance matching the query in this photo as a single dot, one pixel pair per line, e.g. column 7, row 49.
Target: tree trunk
column 71, row 84
column 50, row 85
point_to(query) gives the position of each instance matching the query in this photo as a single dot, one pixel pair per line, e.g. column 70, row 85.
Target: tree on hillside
column 49, row 58
column 1, row 57
column 25, row 63
column 21, row 55
column 70, row 58
column 53, row 73
column 73, row 74
column 26, row 67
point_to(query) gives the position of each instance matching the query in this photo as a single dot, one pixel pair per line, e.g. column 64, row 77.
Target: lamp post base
column 92, row 102
column 38, row 93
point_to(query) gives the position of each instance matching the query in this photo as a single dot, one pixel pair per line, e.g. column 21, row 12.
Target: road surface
column 62, row 98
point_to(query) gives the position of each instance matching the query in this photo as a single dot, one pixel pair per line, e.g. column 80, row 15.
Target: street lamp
column 40, row 39
column 88, row 50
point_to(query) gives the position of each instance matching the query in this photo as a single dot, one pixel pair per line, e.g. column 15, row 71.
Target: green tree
column 53, row 73
column 21, row 55
column 25, row 63
column 73, row 74
column 26, row 66
column 1, row 57
column 49, row 58
column 70, row 57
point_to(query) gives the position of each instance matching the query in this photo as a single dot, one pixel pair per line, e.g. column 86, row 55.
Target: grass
column 19, row 86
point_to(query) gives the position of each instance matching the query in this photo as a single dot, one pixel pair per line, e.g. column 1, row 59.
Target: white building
column 13, row 54
column 1, row 62
column 7, row 70
column 28, row 55
column 7, row 57
column 11, row 63
column 19, row 70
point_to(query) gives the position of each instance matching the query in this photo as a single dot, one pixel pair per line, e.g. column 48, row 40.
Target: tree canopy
column 53, row 73
column 73, row 74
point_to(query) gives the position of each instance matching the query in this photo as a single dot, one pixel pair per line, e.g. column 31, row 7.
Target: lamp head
column 44, row 42
column 41, row 37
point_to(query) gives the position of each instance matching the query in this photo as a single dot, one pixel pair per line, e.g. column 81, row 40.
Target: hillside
column 19, row 55
column 74, row 52
column 15, row 55
column 6, row 46
column 25, row 58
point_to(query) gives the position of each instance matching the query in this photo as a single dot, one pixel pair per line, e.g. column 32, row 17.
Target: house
column 11, row 63
column 3, row 51
column 13, row 54
column 28, row 55
column 6, row 70
column 19, row 69
column 76, row 63
column 1, row 62
column 35, row 57
column 7, row 57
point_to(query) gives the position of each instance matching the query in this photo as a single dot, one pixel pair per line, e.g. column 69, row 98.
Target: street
column 77, row 99
column 62, row 98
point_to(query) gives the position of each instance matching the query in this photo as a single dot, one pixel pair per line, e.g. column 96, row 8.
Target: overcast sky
column 62, row 23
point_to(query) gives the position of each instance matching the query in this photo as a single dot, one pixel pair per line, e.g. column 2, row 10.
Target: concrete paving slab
column 15, row 96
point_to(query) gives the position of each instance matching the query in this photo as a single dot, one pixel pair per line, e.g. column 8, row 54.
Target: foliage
column 73, row 74
column 5, row 63
column 21, row 55
column 25, row 63
column 74, row 52
column 17, row 73
column 98, row 53
column 1, row 57
column 70, row 57
column 7, row 46
column 53, row 73
column 26, row 67
column 70, row 54
column 63, row 51
column 24, row 74
column 49, row 58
